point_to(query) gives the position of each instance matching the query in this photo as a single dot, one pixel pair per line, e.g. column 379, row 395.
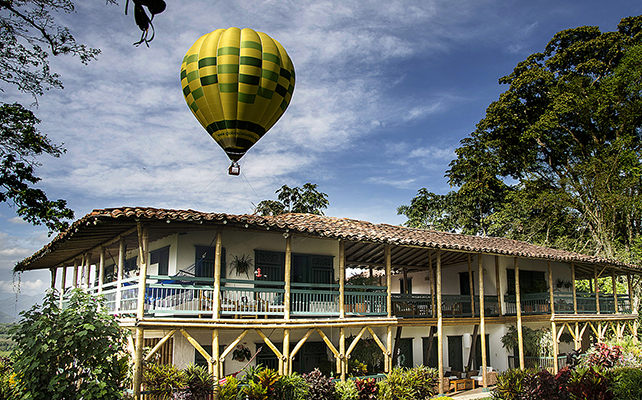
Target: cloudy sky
column 385, row 91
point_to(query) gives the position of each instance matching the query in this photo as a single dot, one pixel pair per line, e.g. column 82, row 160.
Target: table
column 461, row 384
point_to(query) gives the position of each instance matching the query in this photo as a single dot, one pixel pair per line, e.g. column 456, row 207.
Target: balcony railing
column 539, row 303
column 420, row 305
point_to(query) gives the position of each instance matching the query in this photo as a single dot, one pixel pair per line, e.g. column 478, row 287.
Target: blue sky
column 385, row 91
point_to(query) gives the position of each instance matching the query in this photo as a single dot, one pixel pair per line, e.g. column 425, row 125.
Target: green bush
column 590, row 383
column 291, row 387
column 230, row 390
column 199, row 383
column 408, row 384
column 163, row 380
column 510, row 384
column 627, row 383
column 347, row 390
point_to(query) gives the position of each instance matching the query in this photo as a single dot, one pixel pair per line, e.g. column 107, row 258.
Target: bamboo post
column 342, row 353
column 101, row 270
column 500, row 297
column 629, row 291
column 471, row 287
column 574, row 289
column 88, row 266
column 143, row 238
column 342, row 279
column 216, row 365
column 614, row 282
column 388, row 344
column 288, row 275
column 518, row 306
column 597, row 289
column 555, row 346
column 75, row 275
column 121, row 268
column 286, row 352
column 388, row 256
column 63, row 283
column 440, row 338
column 431, row 281
column 53, row 271
column 216, row 297
column 551, row 295
column 482, row 322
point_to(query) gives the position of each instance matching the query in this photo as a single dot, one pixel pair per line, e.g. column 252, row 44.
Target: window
column 131, row 267
column 204, row 264
column 529, row 281
column 160, row 257
column 306, row 268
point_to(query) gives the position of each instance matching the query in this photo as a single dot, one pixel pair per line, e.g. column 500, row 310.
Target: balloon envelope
column 238, row 83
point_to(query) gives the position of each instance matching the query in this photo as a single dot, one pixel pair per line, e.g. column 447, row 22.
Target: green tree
column 557, row 160
column 305, row 200
column 76, row 352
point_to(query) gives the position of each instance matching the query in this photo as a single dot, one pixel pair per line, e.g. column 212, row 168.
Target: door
column 455, row 353
column 404, row 353
column 430, row 360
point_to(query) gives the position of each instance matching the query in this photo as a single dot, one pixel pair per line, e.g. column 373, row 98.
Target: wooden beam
column 473, row 347
column 396, row 348
column 218, row 253
column 614, row 283
column 471, row 287
column 286, row 352
column 198, row 348
column 597, row 289
column 482, row 322
column 500, row 297
column 554, row 338
column 342, row 279
column 388, row 256
column 101, row 270
column 288, row 275
column 355, row 341
column 574, row 289
column 232, row 345
column 159, row 344
column 328, row 342
column 143, row 245
column 518, row 306
column 440, row 332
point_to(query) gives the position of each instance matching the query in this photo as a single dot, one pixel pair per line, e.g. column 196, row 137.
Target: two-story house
column 193, row 286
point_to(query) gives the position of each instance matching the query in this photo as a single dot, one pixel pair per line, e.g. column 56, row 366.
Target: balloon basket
column 235, row 169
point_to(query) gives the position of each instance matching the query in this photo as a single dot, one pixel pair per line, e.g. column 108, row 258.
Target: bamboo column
column 574, row 289
column 75, row 275
column 88, row 266
column 614, row 282
column 288, row 275
column 471, row 287
column 121, row 268
column 388, row 345
column 597, row 290
column 216, row 364
column 286, row 352
column 551, row 296
column 629, row 291
column 518, row 306
column 53, row 271
column 101, row 269
column 342, row 353
column 482, row 322
column 388, row 256
column 440, row 338
column 63, row 283
column 143, row 238
column 216, row 296
column 500, row 298
column 431, row 281
column 342, row 279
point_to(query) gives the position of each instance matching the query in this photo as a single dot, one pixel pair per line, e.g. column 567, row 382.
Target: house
column 181, row 281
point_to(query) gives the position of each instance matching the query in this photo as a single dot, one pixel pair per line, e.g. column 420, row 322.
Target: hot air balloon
column 238, row 83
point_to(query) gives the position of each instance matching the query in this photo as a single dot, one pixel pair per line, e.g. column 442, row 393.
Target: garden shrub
column 590, row 383
column 544, row 385
column 346, row 390
column 72, row 353
column 291, row 387
column 602, row 355
column 260, row 383
column 230, row 390
column 199, row 383
column 408, row 384
column 627, row 384
column 7, row 379
column 367, row 389
column 510, row 384
column 163, row 380
column 320, row 387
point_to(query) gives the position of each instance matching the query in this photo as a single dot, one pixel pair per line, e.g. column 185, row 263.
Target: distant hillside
column 10, row 309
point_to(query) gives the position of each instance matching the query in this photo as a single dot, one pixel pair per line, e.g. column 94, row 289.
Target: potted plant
column 242, row 265
column 241, row 353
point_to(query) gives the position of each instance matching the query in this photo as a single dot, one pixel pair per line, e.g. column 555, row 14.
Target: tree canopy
column 305, row 200
column 557, row 158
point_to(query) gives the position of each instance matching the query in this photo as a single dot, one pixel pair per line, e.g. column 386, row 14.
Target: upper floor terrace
column 152, row 263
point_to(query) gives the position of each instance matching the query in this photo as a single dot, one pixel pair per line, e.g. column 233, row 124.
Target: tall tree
column 305, row 200
column 557, row 158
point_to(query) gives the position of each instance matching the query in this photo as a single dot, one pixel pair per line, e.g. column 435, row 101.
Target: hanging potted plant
column 241, row 353
column 242, row 265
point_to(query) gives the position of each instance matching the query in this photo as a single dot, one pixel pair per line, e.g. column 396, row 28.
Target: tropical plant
column 627, row 384
column 163, row 380
column 544, row 385
column 347, row 390
column 510, row 384
column 199, row 383
column 602, row 355
column 320, row 386
column 242, row 265
column 229, row 390
column 367, row 352
column 291, row 387
column 590, row 383
column 408, row 384
column 536, row 342
column 70, row 353
column 367, row 389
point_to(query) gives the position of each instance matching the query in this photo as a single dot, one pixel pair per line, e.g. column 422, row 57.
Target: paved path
column 468, row 394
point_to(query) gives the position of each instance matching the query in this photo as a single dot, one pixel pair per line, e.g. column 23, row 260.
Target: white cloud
column 18, row 221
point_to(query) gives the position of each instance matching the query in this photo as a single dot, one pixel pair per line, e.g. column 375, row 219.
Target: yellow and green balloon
column 238, row 83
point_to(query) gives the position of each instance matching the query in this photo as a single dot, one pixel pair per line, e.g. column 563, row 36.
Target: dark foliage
column 590, row 384
column 320, row 386
column 367, row 389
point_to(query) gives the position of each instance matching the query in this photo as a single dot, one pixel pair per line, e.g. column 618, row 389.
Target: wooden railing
column 420, row 305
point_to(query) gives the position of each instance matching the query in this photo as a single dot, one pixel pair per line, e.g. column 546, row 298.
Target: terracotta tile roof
column 322, row 226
